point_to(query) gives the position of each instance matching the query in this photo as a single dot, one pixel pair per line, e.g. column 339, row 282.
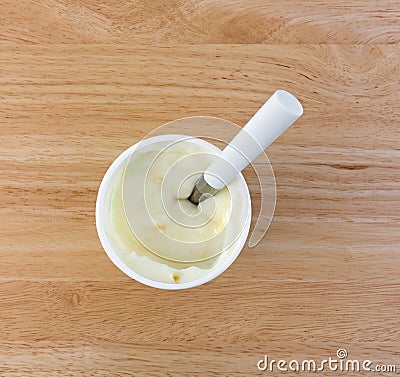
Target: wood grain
column 191, row 21
column 326, row 275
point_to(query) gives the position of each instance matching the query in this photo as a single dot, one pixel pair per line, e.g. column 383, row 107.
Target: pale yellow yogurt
column 157, row 232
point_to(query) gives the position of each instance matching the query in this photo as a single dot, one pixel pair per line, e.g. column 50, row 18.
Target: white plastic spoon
column 280, row 111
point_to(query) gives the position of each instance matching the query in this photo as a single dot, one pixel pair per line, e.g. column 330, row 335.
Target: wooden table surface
column 80, row 81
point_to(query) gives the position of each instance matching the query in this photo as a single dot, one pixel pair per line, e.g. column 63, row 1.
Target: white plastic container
column 102, row 211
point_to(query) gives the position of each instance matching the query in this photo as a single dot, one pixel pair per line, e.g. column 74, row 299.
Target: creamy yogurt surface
column 158, row 232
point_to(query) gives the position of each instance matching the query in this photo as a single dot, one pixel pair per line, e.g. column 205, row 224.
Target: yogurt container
column 131, row 254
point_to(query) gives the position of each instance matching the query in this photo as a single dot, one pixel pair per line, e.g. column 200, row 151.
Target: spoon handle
column 280, row 111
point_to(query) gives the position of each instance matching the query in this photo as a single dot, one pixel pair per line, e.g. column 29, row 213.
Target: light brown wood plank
column 189, row 21
column 117, row 92
column 89, row 311
column 63, row 358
